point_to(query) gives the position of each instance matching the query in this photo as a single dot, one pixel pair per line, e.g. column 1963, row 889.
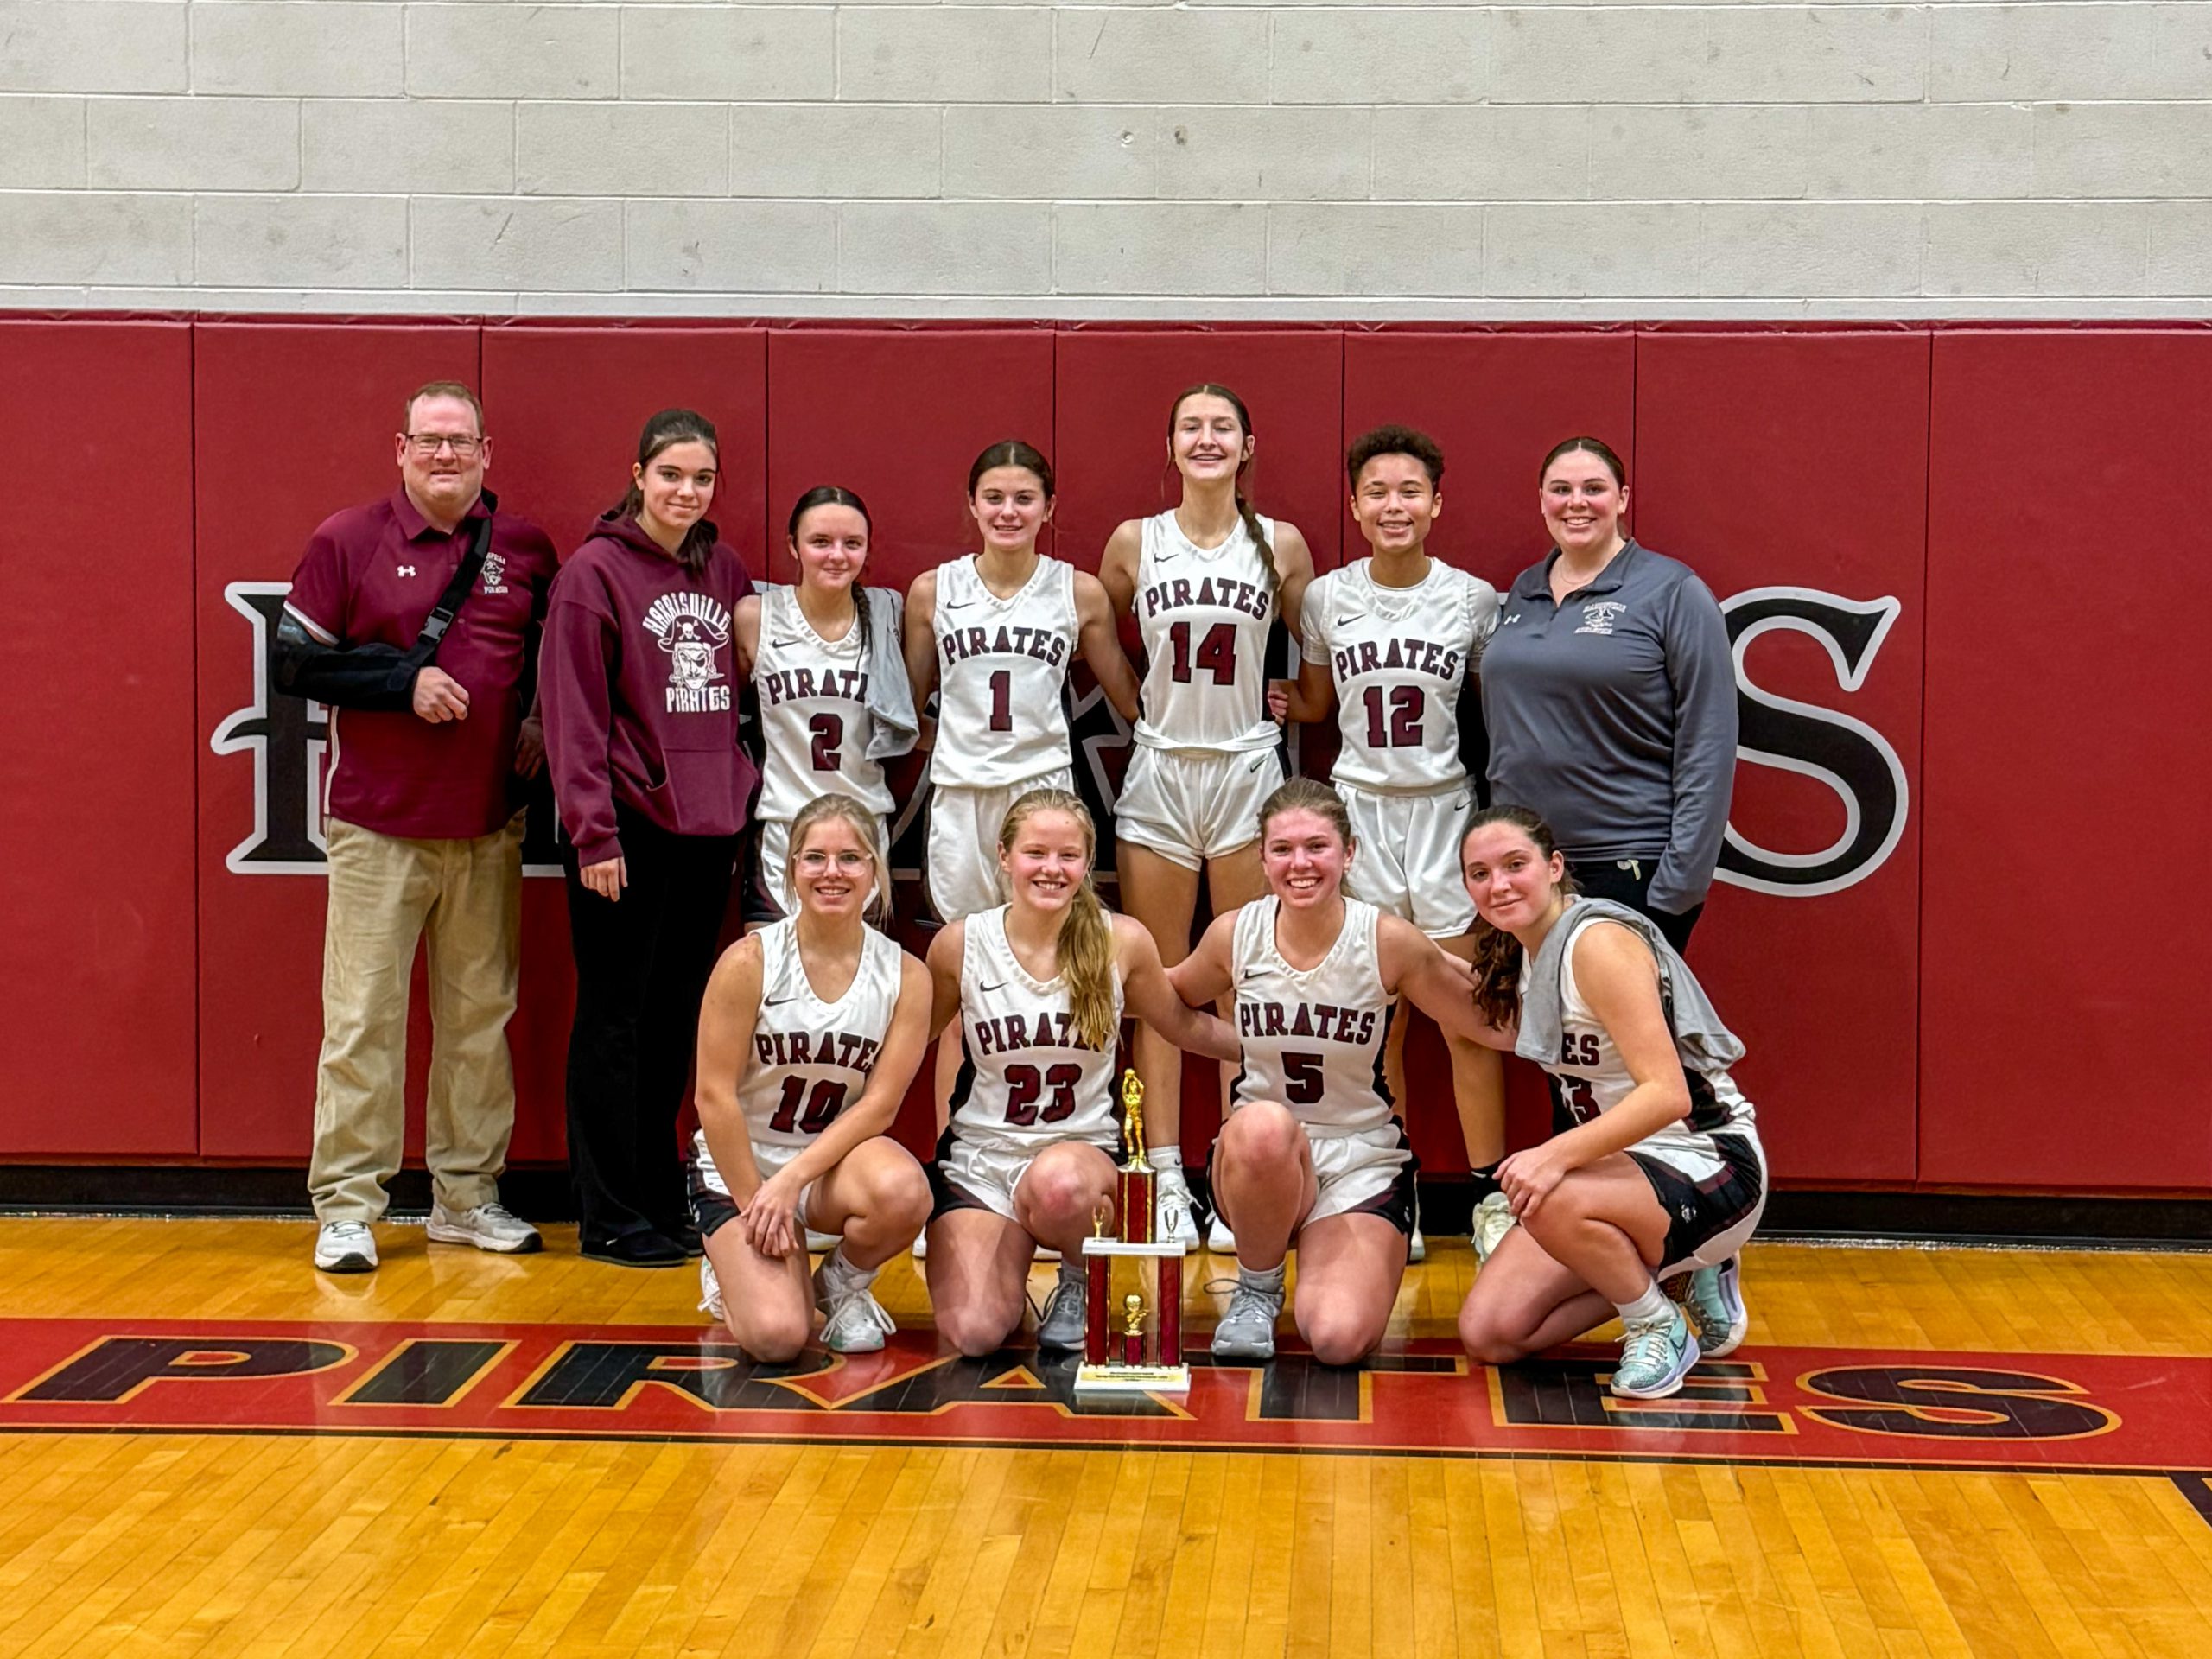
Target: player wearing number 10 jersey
column 808, row 1034
column 1038, row 986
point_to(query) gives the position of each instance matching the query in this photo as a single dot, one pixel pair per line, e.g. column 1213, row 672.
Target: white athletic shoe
column 1246, row 1331
column 1416, row 1246
column 922, row 1245
column 1494, row 1219
column 710, row 1292
column 345, row 1247
column 1175, row 1220
column 490, row 1227
column 1219, row 1239
column 822, row 1244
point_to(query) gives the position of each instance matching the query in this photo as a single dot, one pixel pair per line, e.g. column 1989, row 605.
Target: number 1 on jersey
column 1003, row 700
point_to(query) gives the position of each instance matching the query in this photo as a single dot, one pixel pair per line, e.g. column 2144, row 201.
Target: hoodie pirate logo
column 495, row 573
column 691, row 628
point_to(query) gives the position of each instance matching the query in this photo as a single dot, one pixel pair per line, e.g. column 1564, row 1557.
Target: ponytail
column 1085, row 953
column 1244, row 509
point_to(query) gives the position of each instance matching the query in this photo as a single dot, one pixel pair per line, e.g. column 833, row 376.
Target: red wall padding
column 2066, row 937
column 95, row 777
column 1948, row 1019
column 1753, row 453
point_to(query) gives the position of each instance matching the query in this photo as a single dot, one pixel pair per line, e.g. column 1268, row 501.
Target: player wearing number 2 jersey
column 811, row 1031
column 1312, row 1151
column 1392, row 642
column 1038, row 986
column 996, row 632
column 1213, row 584
column 809, row 650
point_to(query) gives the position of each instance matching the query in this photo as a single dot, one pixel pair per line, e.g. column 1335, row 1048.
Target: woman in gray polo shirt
column 1609, row 693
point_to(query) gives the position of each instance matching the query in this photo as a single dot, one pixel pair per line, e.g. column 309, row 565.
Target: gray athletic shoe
column 490, row 1227
column 1060, row 1326
column 345, row 1247
column 1246, row 1331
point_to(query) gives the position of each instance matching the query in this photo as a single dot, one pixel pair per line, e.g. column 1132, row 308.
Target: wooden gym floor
column 207, row 1447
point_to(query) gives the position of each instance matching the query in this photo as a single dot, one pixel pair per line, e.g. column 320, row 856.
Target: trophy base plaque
column 1140, row 1352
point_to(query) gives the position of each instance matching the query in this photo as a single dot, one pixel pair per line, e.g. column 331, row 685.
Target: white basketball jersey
column 1024, row 1082
column 1589, row 1078
column 1314, row 1039
column 1000, row 666
column 815, row 723
column 811, row 1058
column 1400, row 657
column 1204, row 615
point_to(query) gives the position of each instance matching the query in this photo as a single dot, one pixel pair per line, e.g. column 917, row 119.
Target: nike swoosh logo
column 779, row 1002
column 958, row 603
column 1249, row 974
column 1001, row 985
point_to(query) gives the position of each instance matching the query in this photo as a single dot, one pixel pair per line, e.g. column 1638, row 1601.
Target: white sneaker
column 822, row 1244
column 710, row 1292
column 1174, row 1222
column 1494, row 1219
column 921, row 1251
column 1219, row 1239
column 345, row 1247
column 489, row 1227
column 1416, row 1246
column 1246, row 1331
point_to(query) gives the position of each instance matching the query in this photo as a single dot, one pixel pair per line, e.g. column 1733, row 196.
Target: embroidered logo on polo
column 691, row 628
column 494, row 578
column 1599, row 616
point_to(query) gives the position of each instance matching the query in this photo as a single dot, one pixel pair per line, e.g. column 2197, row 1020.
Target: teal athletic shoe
column 1656, row 1356
column 1714, row 1302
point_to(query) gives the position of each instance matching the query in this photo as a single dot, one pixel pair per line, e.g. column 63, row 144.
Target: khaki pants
column 464, row 898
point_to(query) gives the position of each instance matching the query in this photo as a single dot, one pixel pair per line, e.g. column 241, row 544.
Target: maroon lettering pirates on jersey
column 1204, row 615
column 1400, row 657
column 1313, row 1037
column 1025, row 1081
column 1001, row 664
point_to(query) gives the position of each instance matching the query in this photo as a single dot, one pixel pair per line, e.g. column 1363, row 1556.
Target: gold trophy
column 1145, row 1354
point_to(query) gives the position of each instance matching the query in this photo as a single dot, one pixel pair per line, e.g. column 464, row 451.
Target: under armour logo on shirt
column 406, row 570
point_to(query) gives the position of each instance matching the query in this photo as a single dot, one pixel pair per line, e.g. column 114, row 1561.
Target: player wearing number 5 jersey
column 1212, row 583
column 1311, row 1152
column 809, row 1032
column 996, row 632
column 814, row 653
column 1038, row 986
column 1392, row 643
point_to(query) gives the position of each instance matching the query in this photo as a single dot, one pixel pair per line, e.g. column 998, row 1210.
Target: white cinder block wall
column 1213, row 158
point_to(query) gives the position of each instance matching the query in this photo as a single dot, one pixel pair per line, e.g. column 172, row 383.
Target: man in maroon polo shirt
column 423, row 831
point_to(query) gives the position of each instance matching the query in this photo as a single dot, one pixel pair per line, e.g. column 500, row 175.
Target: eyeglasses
column 427, row 444
column 815, row 863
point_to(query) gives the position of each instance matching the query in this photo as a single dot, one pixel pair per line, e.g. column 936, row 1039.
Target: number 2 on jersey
column 1026, row 1085
column 829, row 732
column 1217, row 652
column 1407, row 704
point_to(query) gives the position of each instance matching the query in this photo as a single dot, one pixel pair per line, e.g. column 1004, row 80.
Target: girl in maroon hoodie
column 641, row 728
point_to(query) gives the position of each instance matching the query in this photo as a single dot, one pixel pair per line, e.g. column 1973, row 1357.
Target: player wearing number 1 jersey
column 809, row 1032
column 1392, row 643
column 1211, row 584
column 1312, row 1153
column 1038, row 986
column 996, row 632
column 809, row 650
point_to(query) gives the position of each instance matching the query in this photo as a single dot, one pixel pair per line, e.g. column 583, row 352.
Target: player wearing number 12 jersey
column 1212, row 583
column 1392, row 643
column 995, row 633
column 808, row 1034
column 809, row 650
column 1038, row 986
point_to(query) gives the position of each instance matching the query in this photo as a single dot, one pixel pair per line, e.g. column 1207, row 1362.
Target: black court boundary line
column 2194, row 1486
column 543, row 1195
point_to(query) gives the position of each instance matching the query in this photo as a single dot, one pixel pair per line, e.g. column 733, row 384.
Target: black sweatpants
column 642, row 964
column 1628, row 881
